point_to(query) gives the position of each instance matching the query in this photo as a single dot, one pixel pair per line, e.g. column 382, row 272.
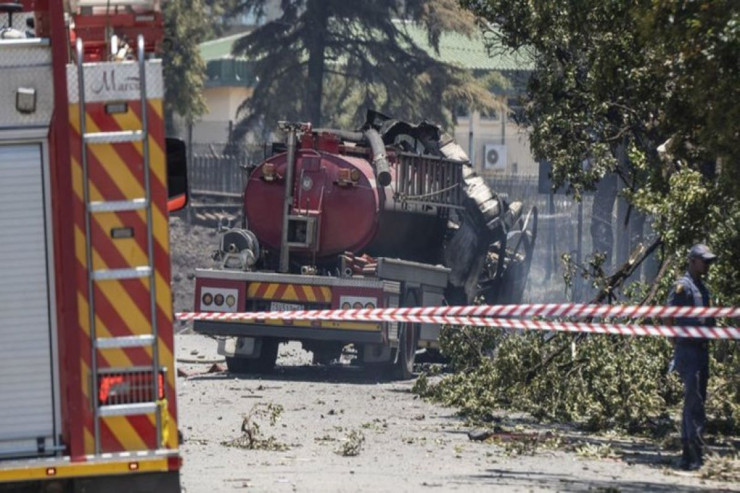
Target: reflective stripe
column 29, row 471
column 126, row 341
column 117, row 205
column 289, row 292
column 109, row 274
column 128, row 409
column 114, row 137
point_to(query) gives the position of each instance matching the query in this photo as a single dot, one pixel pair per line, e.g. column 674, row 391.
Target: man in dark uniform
column 691, row 359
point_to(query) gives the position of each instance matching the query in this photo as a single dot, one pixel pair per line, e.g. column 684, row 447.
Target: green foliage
column 629, row 76
column 184, row 70
column 722, row 468
column 600, row 451
column 724, row 388
column 252, row 436
column 600, row 382
column 329, row 61
column 593, row 270
column 352, row 444
column 649, row 91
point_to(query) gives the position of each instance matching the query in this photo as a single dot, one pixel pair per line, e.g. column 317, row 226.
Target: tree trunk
column 602, row 231
column 316, row 18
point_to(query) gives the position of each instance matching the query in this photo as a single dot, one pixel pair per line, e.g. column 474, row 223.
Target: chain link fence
column 562, row 228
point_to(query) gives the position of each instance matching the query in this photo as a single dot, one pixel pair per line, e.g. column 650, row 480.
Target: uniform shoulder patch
column 679, row 287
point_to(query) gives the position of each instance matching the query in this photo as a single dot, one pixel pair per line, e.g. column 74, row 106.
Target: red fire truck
column 87, row 378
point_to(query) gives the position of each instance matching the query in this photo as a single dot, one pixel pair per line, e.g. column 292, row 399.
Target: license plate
column 279, row 306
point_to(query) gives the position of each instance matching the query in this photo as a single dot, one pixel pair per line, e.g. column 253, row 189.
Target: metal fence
column 217, row 174
column 218, row 171
column 563, row 228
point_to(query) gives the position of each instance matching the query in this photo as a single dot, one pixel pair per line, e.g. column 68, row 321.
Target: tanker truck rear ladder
column 103, row 275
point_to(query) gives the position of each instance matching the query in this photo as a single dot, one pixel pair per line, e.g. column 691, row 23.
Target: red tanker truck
column 390, row 215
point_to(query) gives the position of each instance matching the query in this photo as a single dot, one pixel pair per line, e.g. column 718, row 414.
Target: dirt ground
column 191, row 247
column 339, row 429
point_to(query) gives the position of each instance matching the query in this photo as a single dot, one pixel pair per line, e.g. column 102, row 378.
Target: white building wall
column 222, row 103
column 483, row 132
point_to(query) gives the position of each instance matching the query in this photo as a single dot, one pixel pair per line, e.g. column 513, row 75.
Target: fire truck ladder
column 148, row 403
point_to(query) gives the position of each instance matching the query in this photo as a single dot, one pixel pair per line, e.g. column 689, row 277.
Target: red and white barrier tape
column 489, row 316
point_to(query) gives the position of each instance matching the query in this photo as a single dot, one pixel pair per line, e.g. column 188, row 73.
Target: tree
column 184, row 69
column 650, row 91
column 626, row 76
column 327, row 61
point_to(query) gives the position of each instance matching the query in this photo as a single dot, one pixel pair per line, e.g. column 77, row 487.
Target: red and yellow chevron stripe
column 289, row 292
column 122, row 307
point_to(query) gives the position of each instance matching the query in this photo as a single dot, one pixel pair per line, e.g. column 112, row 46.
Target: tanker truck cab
column 347, row 220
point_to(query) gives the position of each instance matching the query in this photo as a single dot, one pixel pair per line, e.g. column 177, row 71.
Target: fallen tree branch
column 614, row 281
column 656, row 282
column 628, row 268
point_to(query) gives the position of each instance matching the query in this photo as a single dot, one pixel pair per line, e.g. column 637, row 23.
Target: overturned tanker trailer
column 391, row 215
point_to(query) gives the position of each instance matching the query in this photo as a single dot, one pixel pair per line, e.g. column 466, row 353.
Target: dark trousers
column 692, row 364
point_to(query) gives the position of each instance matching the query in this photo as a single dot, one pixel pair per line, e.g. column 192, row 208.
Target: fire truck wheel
column 264, row 363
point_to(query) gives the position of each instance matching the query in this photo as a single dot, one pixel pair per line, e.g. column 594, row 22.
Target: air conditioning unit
column 494, row 157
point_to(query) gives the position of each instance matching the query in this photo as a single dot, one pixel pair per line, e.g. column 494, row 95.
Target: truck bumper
column 131, row 472
column 358, row 332
column 161, row 482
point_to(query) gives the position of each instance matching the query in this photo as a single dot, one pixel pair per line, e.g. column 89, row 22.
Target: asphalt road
column 340, row 429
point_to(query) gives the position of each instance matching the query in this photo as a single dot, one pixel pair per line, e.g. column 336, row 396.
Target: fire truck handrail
column 117, row 205
column 118, row 274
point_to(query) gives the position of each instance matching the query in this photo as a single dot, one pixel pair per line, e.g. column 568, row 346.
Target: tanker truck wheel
column 409, row 335
column 264, row 363
column 404, row 367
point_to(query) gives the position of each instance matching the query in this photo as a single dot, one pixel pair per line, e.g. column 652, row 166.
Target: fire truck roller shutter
column 27, row 417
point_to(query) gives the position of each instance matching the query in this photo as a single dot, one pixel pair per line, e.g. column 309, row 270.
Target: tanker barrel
column 380, row 160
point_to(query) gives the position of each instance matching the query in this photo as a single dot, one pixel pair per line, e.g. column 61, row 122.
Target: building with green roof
column 495, row 144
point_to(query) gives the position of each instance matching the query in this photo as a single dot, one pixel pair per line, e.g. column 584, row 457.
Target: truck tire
column 409, row 335
column 264, row 363
column 404, row 367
